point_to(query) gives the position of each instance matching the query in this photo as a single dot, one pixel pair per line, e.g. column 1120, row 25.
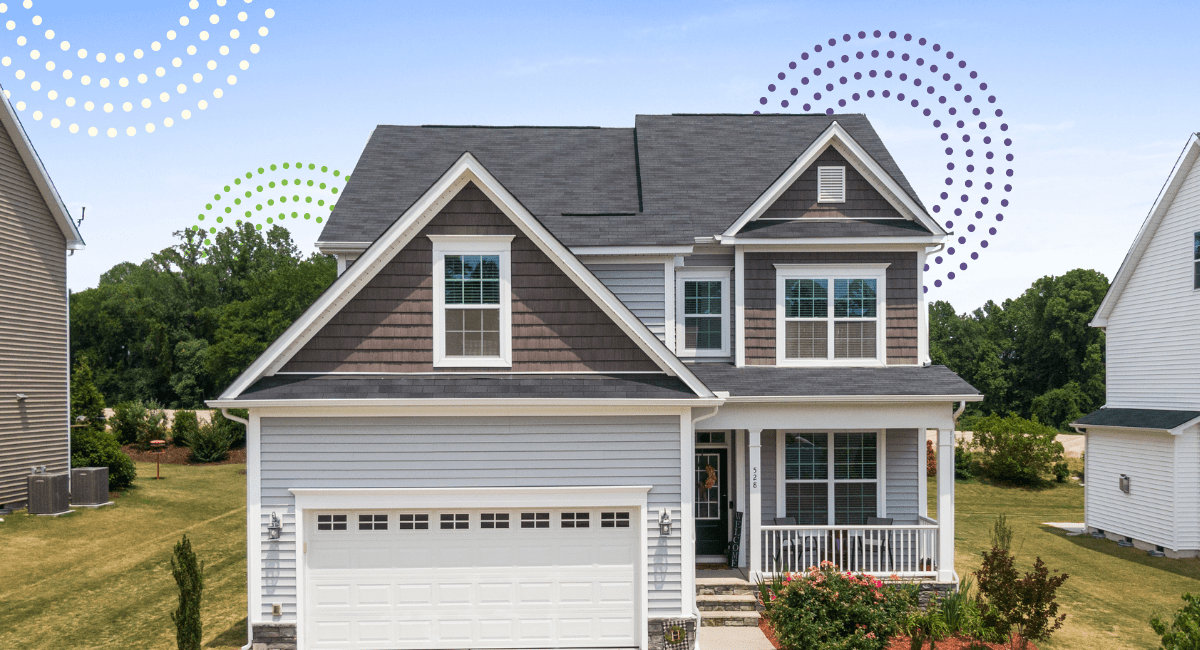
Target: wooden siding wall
column 800, row 200
column 388, row 326
column 1153, row 346
column 1147, row 513
column 904, row 457
column 641, row 287
column 469, row 452
column 903, row 297
column 33, row 330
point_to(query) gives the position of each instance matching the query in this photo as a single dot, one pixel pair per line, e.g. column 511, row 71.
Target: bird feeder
column 161, row 446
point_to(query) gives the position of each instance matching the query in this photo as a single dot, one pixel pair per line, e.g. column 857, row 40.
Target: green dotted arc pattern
column 255, row 194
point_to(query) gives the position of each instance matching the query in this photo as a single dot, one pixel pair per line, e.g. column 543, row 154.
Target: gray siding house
column 561, row 367
column 36, row 234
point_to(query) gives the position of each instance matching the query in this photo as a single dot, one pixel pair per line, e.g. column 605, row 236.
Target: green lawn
column 1111, row 592
column 102, row 578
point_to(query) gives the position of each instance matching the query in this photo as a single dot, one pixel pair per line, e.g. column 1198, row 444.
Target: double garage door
column 529, row 578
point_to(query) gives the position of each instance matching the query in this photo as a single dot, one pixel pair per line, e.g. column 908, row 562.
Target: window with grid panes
column 457, row 521
column 817, row 497
column 817, row 325
column 413, row 522
column 614, row 520
column 331, row 522
column 472, row 305
column 1196, row 261
column 372, row 522
column 702, row 315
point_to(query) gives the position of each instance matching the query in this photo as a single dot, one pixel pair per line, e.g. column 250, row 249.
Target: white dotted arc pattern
column 175, row 69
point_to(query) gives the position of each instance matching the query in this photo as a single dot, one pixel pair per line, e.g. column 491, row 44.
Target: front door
column 712, row 499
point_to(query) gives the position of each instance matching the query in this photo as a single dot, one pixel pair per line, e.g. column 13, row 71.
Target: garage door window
column 331, row 522
column 372, row 522
column 575, row 520
column 460, row 521
column 414, row 522
column 493, row 520
column 614, row 520
column 535, row 520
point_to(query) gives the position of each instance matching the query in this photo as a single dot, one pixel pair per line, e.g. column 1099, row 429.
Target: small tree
column 189, row 575
column 1025, row 604
column 184, row 426
column 1183, row 633
column 86, row 400
column 128, row 421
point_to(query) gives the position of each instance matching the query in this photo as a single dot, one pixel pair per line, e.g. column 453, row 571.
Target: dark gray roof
column 566, row 386
column 669, row 180
column 803, row 228
column 916, row 381
column 1136, row 418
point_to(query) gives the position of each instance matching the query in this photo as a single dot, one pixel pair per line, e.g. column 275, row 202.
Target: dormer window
column 831, row 184
column 472, row 313
column 830, row 315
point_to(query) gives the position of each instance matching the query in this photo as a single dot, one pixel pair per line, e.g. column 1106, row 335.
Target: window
column 414, row 522
column 493, row 520
column 710, row 437
column 831, row 184
column 575, row 520
column 535, row 520
column 850, row 492
column 460, row 521
column 472, row 301
column 1196, row 261
column 830, row 316
column 614, row 520
column 372, row 522
column 702, row 311
column 331, row 522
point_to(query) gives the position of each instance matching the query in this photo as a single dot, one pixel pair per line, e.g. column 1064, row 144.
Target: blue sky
column 1099, row 97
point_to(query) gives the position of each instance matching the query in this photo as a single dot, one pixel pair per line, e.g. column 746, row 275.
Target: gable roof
column 467, row 169
column 1171, row 421
column 666, row 181
column 1166, row 196
column 12, row 124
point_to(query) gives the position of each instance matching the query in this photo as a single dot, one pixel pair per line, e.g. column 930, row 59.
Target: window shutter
column 831, row 184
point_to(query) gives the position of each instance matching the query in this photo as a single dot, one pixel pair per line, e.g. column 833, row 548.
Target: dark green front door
column 712, row 501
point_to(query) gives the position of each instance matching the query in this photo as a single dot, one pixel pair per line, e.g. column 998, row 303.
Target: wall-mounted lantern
column 274, row 529
column 21, row 397
column 1124, row 483
column 664, row 523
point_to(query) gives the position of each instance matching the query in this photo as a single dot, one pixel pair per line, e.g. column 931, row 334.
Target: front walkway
column 733, row 638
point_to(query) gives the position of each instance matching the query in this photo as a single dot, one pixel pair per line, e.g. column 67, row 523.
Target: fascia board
column 41, row 178
column 881, row 180
column 334, row 248
column 874, row 243
column 842, row 399
column 1185, row 426
column 632, row 250
column 1187, row 158
column 225, row 403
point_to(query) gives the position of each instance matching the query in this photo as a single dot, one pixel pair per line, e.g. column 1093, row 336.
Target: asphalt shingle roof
column 565, row 386
column 1137, row 418
column 771, row 381
column 669, row 180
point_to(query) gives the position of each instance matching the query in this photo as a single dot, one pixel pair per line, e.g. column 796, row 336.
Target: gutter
column 235, row 418
column 224, row 404
column 808, row 399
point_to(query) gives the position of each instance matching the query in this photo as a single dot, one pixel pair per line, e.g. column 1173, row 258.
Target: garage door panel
column 373, row 595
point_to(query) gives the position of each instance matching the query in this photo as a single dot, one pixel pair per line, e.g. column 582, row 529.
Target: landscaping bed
column 173, row 455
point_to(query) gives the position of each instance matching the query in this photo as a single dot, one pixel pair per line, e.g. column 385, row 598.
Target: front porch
column 848, row 486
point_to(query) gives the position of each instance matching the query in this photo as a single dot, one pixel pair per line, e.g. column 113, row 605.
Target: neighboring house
column 36, row 234
column 1142, row 474
column 560, row 365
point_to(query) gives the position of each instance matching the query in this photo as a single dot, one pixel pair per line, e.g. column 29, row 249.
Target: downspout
column 695, row 607
column 234, row 418
column 962, row 406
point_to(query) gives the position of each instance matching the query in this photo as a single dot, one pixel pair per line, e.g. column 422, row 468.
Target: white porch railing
column 908, row 551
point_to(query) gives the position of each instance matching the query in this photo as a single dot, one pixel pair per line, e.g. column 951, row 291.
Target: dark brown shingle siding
column 800, row 200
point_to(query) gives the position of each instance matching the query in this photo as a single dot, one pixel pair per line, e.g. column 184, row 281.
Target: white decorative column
column 945, row 504
column 739, row 453
column 754, row 477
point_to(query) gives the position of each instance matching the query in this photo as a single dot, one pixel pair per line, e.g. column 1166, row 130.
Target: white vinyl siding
column 640, row 287
column 470, row 452
column 905, row 463
column 1153, row 346
column 1147, row 513
column 1187, row 490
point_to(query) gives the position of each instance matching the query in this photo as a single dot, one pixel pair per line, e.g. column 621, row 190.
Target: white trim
column 880, row 470
column 739, row 450
column 922, row 312
column 592, row 260
column 780, row 469
column 838, row 194
column 739, row 280
column 466, row 169
column 459, row 403
column 499, row 373
column 781, row 244
column 632, row 250
column 866, row 399
column 837, row 137
column 687, row 512
column 754, row 478
column 1187, row 158
column 832, row 273
column 41, row 178
column 499, row 245
column 881, row 473
column 945, row 504
column 335, row 247
column 701, row 274
column 923, row 482
column 254, row 541
column 669, row 302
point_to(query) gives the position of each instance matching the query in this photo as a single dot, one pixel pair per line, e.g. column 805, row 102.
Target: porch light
column 274, row 529
column 664, row 523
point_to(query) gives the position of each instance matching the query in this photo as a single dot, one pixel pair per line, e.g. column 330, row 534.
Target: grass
column 1111, row 592
column 102, row 578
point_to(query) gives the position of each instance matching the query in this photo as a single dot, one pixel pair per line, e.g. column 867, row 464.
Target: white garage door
column 531, row 578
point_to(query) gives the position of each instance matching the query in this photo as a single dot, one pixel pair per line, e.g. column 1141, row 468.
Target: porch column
column 739, row 454
column 754, row 477
column 945, row 504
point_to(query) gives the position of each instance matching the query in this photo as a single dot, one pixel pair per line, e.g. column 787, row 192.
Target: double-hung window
column 830, row 315
column 472, row 306
column 1196, row 260
column 702, row 311
column 817, row 496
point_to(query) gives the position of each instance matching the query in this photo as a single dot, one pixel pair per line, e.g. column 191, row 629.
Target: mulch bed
column 179, row 456
column 903, row 642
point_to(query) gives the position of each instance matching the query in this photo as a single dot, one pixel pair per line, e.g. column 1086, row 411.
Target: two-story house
column 560, row 367
column 1142, row 454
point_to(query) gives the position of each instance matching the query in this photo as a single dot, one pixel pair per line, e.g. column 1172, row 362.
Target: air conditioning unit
column 89, row 486
column 49, row 494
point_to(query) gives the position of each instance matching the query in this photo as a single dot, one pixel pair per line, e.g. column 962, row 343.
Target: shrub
column 1059, row 407
column 826, row 609
column 128, row 420
column 210, row 444
column 1026, row 604
column 236, row 431
column 1016, row 450
column 184, row 427
column 930, row 458
column 1061, row 472
column 86, row 400
column 1183, row 633
column 189, row 575
column 92, row 448
column 964, row 461
column 154, row 427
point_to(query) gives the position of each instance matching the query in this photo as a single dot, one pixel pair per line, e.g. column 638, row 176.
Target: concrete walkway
column 733, row 638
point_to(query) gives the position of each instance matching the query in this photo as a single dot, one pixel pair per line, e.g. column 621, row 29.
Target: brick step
column 724, row 587
column 727, row 603
column 729, row 619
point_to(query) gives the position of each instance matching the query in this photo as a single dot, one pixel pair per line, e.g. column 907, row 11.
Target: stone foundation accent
column 657, row 641
column 273, row 636
column 931, row 589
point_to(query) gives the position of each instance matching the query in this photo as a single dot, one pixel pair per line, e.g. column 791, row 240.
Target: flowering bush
column 827, row 609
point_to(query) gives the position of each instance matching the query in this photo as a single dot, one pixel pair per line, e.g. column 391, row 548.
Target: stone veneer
column 273, row 636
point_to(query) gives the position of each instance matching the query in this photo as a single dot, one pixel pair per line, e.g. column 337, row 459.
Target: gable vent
column 831, row 184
